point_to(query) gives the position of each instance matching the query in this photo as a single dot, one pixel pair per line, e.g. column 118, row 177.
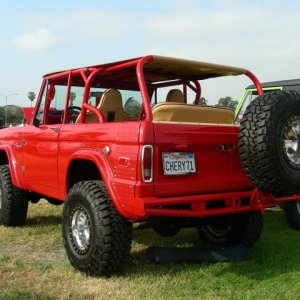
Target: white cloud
column 40, row 39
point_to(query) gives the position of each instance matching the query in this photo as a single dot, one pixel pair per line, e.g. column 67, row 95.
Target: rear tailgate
column 210, row 149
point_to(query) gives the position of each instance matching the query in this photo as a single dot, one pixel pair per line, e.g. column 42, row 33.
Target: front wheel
column 13, row 201
column 230, row 230
column 97, row 238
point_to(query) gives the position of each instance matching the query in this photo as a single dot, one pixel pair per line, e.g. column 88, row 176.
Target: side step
column 234, row 253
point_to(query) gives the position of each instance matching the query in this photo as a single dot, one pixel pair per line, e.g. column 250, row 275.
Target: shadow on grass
column 140, row 265
column 148, row 237
column 276, row 253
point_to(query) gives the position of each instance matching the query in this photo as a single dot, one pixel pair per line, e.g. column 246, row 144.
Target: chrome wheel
column 291, row 140
column 81, row 230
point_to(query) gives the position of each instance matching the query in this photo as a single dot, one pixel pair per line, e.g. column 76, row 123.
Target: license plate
column 178, row 163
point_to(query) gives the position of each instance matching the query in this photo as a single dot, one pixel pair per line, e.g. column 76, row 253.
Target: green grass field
column 33, row 265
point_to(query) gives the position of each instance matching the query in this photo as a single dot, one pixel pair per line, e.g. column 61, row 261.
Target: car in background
column 250, row 93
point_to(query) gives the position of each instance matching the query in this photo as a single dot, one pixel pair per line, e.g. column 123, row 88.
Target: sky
column 39, row 37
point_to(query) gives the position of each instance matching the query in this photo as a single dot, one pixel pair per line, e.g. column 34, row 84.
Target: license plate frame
column 178, row 163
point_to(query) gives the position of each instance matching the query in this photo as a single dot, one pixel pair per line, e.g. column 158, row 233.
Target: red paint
column 27, row 111
column 41, row 157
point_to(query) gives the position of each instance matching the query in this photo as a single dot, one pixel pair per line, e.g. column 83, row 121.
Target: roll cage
column 145, row 74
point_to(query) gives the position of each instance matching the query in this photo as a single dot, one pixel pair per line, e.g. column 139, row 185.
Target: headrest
column 175, row 95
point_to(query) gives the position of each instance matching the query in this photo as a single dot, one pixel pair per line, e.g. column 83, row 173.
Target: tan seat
column 175, row 95
column 111, row 107
column 181, row 112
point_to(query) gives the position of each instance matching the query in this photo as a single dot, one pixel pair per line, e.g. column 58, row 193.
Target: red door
column 40, row 157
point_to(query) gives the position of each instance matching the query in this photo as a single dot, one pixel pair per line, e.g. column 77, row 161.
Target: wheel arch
column 81, row 169
column 7, row 158
column 95, row 167
column 3, row 157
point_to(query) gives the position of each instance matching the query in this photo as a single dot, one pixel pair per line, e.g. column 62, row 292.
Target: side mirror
column 36, row 122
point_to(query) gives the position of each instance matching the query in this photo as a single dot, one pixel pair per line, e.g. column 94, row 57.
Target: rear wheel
column 97, row 238
column 13, row 201
column 292, row 213
column 231, row 230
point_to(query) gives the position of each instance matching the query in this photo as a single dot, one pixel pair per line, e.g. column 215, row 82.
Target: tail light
column 147, row 163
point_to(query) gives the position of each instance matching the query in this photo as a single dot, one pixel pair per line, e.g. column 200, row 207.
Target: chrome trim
column 106, row 150
column 151, row 170
column 291, row 141
column 81, row 229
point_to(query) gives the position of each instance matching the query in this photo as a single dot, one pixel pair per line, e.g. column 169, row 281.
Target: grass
column 33, row 265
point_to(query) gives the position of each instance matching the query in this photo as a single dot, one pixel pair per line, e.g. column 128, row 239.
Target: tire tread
column 15, row 202
column 114, row 243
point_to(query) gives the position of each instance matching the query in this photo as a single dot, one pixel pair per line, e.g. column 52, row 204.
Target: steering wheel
column 72, row 113
column 76, row 109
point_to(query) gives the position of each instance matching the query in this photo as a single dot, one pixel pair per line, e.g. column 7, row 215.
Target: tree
column 31, row 96
column 233, row 104
column 203, row 101
column 227, row 102
column 224, row 102
column 132, row 107
column 72, row 98
column 14, row 115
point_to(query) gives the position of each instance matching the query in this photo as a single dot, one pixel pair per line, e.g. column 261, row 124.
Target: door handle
column 55, row 129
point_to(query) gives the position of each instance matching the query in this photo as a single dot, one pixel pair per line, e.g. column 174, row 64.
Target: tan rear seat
column 181, row 112
column 175, row 95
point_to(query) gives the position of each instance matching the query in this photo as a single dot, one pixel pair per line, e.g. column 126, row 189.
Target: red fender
column 15, row 176
column 99, row 159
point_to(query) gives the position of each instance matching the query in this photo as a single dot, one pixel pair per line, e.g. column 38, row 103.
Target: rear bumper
column 197, row 206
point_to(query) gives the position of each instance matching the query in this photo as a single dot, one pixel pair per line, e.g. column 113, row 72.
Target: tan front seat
column 175, row 95
column 111, row 106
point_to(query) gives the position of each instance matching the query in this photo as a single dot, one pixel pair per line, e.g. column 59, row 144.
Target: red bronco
column 118, row 143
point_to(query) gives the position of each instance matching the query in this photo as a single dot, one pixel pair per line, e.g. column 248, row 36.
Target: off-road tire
column 242, row 229
column 13, row 202
column 110, row 234
column 292, row 214
column 262, row 144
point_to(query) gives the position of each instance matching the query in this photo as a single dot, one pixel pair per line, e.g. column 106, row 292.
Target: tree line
column 11, row 115
column 223, row 102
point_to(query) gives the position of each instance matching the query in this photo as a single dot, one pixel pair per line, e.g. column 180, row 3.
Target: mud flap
column 166, row 255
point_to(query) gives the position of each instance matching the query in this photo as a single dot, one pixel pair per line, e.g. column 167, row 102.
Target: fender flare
column 99, row 159
column 12, row 162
